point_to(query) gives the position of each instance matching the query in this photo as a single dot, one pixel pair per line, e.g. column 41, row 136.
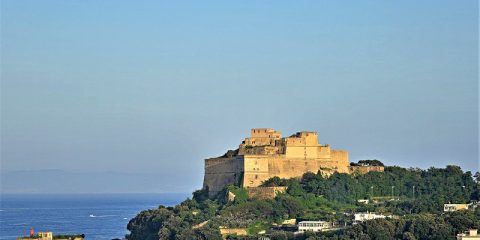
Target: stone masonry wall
column 366, row 169
column 265, row 192
column 222, row 171
column 260, row 168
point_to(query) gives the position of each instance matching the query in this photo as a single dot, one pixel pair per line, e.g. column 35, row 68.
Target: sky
column 144, row 91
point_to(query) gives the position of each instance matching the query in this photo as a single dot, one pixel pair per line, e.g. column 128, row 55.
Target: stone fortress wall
column 222, row 171
column 264, row 192
column 266, row 154
column 365, row 169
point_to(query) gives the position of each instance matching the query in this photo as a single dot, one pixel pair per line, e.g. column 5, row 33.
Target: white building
column 361, row 217
column 470, row 235
column 364, row 201
column 314, row 226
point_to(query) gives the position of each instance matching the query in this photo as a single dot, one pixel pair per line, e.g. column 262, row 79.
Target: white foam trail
column 101, row 216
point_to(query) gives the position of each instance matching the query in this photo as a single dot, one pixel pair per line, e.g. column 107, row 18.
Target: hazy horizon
column 147, row 90
column 47, row 182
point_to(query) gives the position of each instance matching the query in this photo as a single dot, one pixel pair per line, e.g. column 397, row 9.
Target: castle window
column 256, row 176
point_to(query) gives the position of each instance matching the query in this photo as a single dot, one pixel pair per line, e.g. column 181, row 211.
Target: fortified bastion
column 266, row 154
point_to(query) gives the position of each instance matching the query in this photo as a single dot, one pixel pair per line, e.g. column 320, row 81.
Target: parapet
column 265, row 133
column 262, row 141
column 268, row 141
column 304, row 138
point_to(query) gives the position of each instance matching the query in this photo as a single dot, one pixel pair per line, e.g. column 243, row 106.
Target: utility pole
column 413, row 192
column 371, row 191
column 392, row 192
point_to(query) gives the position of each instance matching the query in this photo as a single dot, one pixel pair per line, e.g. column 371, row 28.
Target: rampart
column 222, row 171
column 264, row 192
column 366, row 169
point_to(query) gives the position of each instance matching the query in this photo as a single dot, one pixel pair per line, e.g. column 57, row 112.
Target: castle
column 266, row 154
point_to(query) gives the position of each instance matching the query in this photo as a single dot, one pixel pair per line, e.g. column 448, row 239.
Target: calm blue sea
column 98, row 216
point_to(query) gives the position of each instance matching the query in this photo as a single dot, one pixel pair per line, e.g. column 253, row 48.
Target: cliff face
column 266, row 154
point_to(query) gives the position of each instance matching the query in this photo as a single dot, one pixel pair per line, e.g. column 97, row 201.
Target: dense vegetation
column 414, row 226
column 416, row 196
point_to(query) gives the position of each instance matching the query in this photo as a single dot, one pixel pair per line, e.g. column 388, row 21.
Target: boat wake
column 101, row 216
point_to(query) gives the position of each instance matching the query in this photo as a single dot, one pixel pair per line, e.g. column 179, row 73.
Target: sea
column 98, row 216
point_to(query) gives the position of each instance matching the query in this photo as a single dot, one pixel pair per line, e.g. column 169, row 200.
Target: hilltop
column 411, row 199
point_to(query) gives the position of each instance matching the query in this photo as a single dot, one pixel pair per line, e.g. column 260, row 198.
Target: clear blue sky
column 154, row 87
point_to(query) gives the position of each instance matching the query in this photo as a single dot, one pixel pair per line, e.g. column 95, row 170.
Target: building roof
column 312, row 222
